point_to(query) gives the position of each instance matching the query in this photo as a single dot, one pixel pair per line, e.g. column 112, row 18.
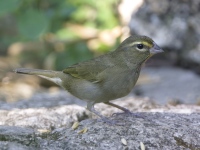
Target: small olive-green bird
column 106, row 77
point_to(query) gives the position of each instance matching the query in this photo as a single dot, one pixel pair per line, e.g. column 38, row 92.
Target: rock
column 155, row 131
column 43, row 118
column 14, row 146
column 174, row 25
column 17, row 138
column 46, row 99
column 152, row 127
column 170, row 84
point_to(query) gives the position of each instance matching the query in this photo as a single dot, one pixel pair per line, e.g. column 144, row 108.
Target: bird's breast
column 121, row 84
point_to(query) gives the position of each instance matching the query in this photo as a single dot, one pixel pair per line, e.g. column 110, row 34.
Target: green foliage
column 66, row 33
column 76, row 52
column 32, row 24
column 98, row 14
column 34, row 20
column 7, row 6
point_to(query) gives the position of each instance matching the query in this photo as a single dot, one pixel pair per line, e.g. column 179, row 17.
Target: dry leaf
column 83, row 131
column 43, row 130
column 124, row 142
column 75, row 125
column 142, row 146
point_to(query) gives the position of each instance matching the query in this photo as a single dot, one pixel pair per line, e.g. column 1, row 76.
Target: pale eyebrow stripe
column 141, row 42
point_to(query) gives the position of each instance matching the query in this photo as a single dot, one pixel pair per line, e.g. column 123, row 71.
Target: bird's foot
column 126, row 112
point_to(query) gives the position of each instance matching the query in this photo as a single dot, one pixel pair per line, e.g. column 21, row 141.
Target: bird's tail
column 53, row 76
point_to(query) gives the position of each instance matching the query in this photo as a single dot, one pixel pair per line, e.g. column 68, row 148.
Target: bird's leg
column 90, row 107
column 119, row 107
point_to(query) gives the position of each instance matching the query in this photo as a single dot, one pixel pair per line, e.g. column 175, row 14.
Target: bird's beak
column 155, row 49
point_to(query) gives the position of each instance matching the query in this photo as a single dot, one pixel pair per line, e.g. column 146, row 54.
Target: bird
column 106, row 77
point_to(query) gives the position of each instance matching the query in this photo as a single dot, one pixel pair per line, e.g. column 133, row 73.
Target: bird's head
column 139, row 48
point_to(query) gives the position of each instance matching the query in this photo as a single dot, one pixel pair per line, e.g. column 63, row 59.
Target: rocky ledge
column 154, row 127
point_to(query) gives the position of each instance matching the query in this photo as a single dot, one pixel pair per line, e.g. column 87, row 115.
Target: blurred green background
column 55, row 34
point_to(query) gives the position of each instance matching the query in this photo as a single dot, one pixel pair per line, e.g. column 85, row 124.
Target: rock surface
column 156, row 131
column 174, row 25
column 153, row 127
column 167, row 84
column 46, row 99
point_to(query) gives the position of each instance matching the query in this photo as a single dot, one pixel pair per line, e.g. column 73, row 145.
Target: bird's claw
column 128, row 113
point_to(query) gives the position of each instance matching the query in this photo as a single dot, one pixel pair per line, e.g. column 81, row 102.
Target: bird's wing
column 90, row 70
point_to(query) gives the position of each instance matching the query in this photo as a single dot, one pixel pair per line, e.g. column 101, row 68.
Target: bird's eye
column 140, row 46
